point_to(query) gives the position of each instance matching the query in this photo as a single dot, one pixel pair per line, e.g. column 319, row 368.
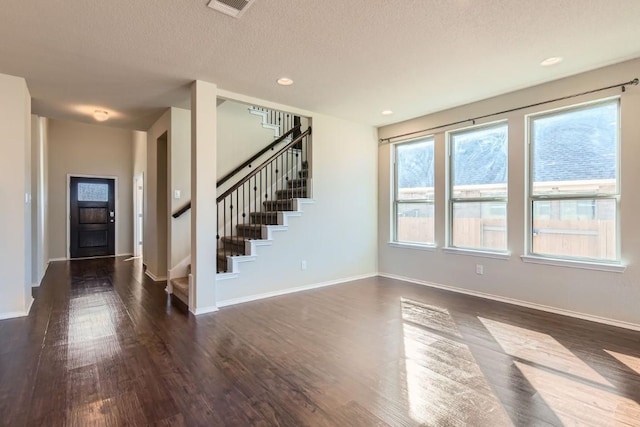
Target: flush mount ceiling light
column 285, row 81
column 551, row 61
column 233, row 8
column 101, row 115
column 387, row 113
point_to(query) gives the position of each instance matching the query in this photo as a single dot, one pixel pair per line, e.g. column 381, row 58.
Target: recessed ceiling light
column 285, row 81
column 551, row 61
column 101, row 115
column 387, row 112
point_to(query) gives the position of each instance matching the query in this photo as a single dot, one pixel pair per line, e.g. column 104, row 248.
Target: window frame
column 451, row 200
column 577, row 197
column 396, row 200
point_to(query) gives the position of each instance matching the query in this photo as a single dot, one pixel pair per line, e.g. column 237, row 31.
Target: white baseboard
column 204, row 310
column 154, row 277
column 57, row 259
column 535, row 306
column 255, row 297
column 14, row 314
column 39, row 280
column 29, row 307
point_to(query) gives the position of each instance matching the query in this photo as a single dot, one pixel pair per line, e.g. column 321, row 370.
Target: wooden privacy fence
column 577, row 238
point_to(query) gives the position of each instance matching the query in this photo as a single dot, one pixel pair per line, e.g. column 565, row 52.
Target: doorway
column 92, row 219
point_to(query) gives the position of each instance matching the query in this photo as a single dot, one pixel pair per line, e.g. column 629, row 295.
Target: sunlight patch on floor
column 430, row 316
column 445, row 385
column 630, row 361
column 577, row 403
column 541, row 349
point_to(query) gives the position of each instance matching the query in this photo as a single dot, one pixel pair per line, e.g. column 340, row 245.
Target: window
column 574, row 189
column 88, row 192
column 413, row 199
column 478, row 188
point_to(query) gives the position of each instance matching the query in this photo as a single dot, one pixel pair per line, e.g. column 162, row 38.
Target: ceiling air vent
column 233, row 8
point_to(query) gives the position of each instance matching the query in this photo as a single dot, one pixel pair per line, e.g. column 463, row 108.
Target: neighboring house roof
column 577, row 145
column 582, row 148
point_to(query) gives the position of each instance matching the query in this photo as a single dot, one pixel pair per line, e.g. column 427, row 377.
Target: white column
column 15, row 209
column 203, row 197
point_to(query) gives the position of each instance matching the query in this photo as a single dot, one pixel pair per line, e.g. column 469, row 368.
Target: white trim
column 39, row 279
column 203, row 310
column 57, row 260
column 416, row 246
column 265, row 295
column 137, row 177
column 587, row 265
column 115, row 203
column 535, row 306
column 477, row 253
column 14, row 314
column 30, row 305
column 154, row 277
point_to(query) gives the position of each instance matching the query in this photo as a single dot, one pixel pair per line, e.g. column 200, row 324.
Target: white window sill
column 478, row 253
column 416, row 246
column 588, row 265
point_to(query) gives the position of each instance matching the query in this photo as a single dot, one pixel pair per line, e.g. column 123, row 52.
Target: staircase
column 272, row 213
column 256, row 205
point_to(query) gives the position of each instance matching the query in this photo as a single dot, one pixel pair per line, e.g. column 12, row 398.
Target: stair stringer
column 251, row 246
column 265, row 123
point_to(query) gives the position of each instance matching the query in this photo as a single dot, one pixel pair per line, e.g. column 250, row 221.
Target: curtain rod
column 633, row 82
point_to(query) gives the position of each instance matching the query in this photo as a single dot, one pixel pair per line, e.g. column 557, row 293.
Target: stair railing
column 293, row 132
column 255, row 199
column 280, row 120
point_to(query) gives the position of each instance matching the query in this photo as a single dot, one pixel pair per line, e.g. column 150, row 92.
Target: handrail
column 266, row 162
column 182, row 210
column 228, row 176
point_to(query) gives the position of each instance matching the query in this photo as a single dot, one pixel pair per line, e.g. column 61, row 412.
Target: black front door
column 93, row 220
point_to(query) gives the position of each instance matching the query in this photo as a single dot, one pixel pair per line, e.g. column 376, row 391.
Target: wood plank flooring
column 103, row 346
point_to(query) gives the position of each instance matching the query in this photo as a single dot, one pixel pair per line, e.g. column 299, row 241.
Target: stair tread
column 181, row 284
column 235, row 239
column 297, row 182
column 250, row 226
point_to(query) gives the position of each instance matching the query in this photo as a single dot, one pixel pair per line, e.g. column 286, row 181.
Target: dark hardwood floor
column 103, row 346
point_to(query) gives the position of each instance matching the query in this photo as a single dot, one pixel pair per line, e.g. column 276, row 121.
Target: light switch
column 176, row 194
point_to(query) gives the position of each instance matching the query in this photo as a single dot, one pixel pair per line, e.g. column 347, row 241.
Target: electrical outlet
column 479, row 269
column 303, row 265
column 176, row 194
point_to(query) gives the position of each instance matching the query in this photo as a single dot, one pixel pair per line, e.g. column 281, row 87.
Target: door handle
column 112, row 215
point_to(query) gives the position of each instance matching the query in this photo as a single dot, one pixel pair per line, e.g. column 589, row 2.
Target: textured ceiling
column 349, row 59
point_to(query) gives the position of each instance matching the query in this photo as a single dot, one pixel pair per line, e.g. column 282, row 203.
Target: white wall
column 240, row 135
column 179, row 179
column 139, row 152
column 38, row 199
column 336, row 235
column 176, row 123
column 153, row 258
column 596, row 293
column 202, row 292
column 78, row 148
column 15, row 213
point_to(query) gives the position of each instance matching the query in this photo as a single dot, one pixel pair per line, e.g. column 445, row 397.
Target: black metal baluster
column 224, row 228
